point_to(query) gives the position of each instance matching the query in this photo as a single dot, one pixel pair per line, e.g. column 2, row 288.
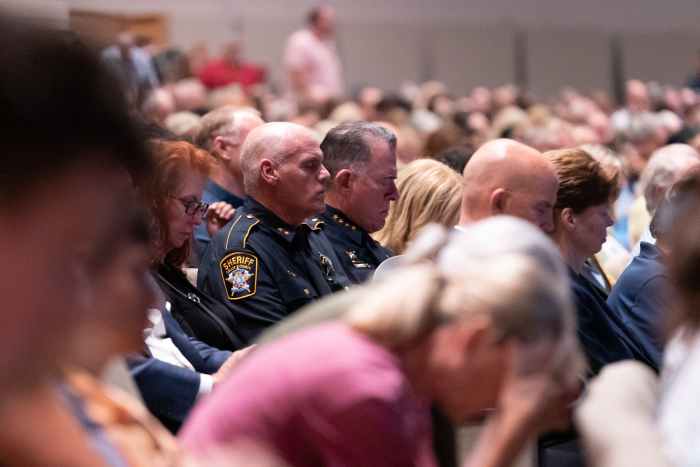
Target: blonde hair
column 430, row 192
column 504, row 269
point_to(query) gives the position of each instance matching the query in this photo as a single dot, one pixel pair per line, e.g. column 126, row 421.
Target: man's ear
column 343, row 179
column 268, row 171
column 223, row 147
column 568, row 219
column 498, row 201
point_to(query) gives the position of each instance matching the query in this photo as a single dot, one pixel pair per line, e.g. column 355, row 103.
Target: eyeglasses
column 192, row 207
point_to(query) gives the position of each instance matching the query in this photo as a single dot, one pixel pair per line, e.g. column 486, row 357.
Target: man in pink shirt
column 311, row 60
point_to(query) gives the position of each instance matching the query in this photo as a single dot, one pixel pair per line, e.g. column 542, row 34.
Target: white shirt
column 679, row 411
column 163, row 348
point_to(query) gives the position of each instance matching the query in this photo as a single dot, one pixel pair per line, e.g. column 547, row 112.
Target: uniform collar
column 335, row 218
column 267, row 218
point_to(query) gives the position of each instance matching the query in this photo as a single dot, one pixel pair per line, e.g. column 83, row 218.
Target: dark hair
column 59, row 110
column 455, row 157
column 154, row 131
column 347, row 146
column 172, row 161
column 583, row 181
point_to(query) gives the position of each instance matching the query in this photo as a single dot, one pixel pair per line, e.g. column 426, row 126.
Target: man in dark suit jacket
column 169, row 390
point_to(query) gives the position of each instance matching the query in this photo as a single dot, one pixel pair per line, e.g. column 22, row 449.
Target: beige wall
column 464, row 43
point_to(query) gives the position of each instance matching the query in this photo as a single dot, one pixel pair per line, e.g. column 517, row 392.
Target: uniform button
column 249, row 216
column 314, row 220
column 306, row 291
column 347, row 288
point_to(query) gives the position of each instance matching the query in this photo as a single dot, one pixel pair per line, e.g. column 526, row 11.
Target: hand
column 535, row 398
column 230, row 365
column 218, row 215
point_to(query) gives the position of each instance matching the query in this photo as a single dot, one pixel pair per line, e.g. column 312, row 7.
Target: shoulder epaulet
column 239, row 230
column 314, row 223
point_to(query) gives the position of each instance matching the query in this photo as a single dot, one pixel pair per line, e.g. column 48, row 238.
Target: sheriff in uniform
column 361, row 160
column 270, row 260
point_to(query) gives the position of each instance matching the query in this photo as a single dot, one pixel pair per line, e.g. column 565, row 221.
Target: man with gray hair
column 271, row 260
column 222, row 133
column 361, row 160
column 666, row 166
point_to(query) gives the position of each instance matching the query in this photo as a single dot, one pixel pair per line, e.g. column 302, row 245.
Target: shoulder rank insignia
column 239, row 272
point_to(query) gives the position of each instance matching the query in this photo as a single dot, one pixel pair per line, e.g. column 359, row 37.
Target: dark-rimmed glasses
column 192, row 207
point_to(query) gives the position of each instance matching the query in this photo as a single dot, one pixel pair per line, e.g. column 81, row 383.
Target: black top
column 359, row 253
column 199, row 315
column 263, row 269
column 602, row 332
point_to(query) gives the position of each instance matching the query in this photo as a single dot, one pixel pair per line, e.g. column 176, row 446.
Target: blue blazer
column 641, row 296
column 603, row 334
column 168, row 390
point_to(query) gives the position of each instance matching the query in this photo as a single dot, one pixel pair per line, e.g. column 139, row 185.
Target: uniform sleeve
column 254, row 309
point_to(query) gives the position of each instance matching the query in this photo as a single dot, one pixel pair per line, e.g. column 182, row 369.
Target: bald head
column 282, row 166
column 508, row 177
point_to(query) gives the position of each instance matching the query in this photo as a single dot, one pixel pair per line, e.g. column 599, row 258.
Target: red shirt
column 218, row 73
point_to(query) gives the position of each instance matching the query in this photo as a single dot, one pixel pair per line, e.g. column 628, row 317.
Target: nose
column 197, row 218
column 394, row 193
column 547, row 224
column 323, row 175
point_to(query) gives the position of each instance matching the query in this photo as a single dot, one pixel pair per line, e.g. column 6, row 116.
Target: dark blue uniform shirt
column 641, row 296
column 603, row 334
column 213, row 192
column 263, row 269
column 359, row 253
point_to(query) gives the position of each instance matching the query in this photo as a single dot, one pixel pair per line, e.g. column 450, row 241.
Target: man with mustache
column 273, row 257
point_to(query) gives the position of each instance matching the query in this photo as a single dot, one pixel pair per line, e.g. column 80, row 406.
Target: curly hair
column 583, row 181
column 171, row 162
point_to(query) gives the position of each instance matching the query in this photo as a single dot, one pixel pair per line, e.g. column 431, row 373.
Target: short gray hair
column 663, row 170
column 643, row 125
column 347, row 146
column 223, row 121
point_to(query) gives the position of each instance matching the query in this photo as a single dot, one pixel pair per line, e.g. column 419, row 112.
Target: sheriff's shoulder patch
column 239, row 272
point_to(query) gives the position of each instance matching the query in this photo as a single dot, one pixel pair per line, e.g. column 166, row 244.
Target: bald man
column 222, row 132
column 271, row 259
column 508, row 177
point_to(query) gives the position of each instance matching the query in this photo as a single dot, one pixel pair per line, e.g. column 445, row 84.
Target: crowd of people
column 203, row 270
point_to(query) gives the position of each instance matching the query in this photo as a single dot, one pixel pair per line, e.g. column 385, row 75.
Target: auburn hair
column 171, row 162
column 583, row 181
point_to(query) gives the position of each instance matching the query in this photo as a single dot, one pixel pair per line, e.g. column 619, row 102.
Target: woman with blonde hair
column 431, row 192
column 488, row 325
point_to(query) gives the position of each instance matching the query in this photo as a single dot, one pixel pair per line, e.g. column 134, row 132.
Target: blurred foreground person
column 119, row 426
column 358, row 392
column 508, row 177
column 431, row 192
column 629, row 416
column 65, row 141
column 274, row 258
column 361, row 160
column 581, row 216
